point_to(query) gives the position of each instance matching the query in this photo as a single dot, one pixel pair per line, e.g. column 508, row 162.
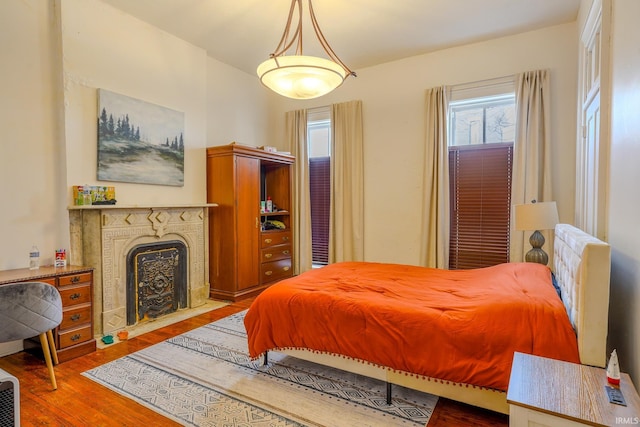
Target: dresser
column 74, row 337
column 247, row 252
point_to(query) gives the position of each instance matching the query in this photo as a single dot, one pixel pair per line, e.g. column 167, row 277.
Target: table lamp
column 536, row 216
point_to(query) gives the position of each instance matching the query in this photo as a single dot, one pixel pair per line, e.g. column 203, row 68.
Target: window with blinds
column 480, row 197
column 319, row 140
column 320, row 187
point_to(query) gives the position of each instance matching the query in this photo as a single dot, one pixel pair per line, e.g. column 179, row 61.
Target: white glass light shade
column 301, row 77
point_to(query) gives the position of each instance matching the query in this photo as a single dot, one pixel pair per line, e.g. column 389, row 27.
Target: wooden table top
column 571, row 391
column 24, row 274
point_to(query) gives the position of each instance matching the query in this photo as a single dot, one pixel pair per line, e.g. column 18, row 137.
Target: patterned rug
column 205, row 378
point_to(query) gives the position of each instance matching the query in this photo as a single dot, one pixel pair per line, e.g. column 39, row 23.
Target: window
column 483, row 120
column 481, row 134
column 319, row 140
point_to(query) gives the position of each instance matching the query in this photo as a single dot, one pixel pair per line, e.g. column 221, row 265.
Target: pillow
column 554, row 281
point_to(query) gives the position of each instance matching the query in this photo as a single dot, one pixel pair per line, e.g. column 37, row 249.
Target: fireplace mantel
column 103, row 235
column 150, row 206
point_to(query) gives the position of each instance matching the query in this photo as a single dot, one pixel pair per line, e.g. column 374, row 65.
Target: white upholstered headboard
column 582, row 266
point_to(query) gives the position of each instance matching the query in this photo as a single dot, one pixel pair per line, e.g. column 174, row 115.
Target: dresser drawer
column 275, row 253
column 276, row 270
column 76, row 316
column 275, row 238
column 74, row 279
column 75, row 336
column 74, row 295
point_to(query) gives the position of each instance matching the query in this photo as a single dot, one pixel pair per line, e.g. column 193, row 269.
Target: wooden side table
column 546, row 392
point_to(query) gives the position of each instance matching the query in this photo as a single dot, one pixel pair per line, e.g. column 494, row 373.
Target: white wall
column 106, row 48
column 393, row 98
column 624, row 197
column 48, row 111
column 32, row 180
column 237, row 107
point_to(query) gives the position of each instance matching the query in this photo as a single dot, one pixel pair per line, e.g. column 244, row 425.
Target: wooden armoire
column 247, row 250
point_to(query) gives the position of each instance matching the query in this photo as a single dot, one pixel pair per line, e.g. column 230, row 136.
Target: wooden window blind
column 480, row 197
column 320, row 188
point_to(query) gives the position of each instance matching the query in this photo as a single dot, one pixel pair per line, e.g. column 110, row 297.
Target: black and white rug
column 205, row 378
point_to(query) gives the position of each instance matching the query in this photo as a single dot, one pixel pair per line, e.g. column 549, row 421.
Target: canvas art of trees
column 139, row 142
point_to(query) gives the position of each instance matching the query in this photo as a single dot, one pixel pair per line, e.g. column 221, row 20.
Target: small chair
column 29, row 309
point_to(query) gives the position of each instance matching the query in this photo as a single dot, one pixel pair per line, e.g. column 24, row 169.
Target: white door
column 593, row 129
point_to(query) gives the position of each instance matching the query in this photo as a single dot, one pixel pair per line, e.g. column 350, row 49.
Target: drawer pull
column 75, row 296
column 75, row 317
column 268, row 240
column 285, row 252
column 285, row 238
column 76, row 337
column 75, row 279
column 268, row 255
column 286, row 268
column 268, row 273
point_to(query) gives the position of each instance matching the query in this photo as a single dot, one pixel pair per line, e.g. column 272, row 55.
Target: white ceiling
column 243, row 33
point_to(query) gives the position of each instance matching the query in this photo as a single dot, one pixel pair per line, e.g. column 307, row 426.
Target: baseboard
column 7, row 348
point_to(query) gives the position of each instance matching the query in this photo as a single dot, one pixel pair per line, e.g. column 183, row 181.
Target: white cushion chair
column 29, row 309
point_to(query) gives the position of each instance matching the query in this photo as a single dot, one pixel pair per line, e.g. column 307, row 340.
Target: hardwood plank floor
column 82, row 402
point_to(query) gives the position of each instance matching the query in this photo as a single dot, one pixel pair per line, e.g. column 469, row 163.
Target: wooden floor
column 82, row 402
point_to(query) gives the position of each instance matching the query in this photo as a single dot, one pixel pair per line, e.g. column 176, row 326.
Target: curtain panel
column 346, row 228
column 532, row 154
column 296, row 134
column 435, row 207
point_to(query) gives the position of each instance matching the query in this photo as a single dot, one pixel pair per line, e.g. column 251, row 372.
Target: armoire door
column 248, row 221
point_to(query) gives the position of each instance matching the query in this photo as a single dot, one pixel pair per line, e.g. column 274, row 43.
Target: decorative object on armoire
column 299, row 76
column 245, row 256
column 535, row 217
column 139, row 142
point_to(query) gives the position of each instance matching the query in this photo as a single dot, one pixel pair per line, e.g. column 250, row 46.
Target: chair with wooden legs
column 29, row 309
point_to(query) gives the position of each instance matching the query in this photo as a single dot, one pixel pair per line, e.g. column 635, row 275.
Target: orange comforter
column 461, row 326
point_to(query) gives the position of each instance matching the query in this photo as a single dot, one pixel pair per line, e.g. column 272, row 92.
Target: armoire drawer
column 274, row 238
column 276, row 270
column 275, row 253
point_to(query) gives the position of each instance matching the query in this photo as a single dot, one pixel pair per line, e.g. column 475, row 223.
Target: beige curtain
column 435, row 216
column 346, row 222
column 296, row 134
column 531, row 155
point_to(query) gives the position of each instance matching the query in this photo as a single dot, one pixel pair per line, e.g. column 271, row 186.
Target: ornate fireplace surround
column 103, row 236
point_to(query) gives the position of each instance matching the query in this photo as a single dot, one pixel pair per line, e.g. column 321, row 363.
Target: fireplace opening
column 156, row 280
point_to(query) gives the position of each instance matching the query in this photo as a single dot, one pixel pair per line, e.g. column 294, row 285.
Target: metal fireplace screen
column 156, row 280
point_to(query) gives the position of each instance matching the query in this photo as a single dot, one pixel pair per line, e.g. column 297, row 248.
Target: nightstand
column 545, row 392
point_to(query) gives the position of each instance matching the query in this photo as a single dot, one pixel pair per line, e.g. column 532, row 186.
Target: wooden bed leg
column 388, row 393
column 265, row 358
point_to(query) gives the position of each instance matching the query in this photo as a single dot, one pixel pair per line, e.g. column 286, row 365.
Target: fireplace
column 156, row 281
column 107, row 237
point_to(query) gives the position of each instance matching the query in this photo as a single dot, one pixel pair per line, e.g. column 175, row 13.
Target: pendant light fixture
column 298, row 76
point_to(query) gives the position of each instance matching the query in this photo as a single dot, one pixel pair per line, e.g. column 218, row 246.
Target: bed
column 438, row 331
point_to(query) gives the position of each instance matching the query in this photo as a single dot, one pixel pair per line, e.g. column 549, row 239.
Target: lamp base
column 537, row 254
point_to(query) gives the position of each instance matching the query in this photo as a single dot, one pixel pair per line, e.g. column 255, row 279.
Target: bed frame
column 582, row 268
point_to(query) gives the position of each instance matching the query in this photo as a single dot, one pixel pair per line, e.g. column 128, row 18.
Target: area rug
column 206, row 378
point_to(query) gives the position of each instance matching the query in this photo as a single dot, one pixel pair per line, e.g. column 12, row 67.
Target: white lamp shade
column 301, row 77
column 536, row 216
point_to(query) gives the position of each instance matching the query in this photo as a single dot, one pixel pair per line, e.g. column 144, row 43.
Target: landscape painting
column 138, row 141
